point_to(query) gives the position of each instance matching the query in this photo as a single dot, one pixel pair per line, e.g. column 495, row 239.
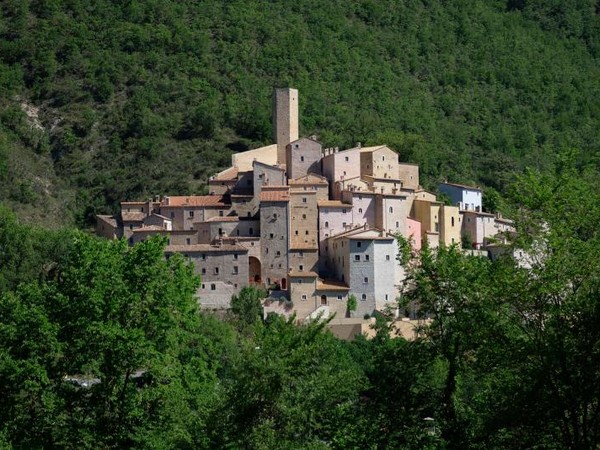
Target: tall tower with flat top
column 285, row 119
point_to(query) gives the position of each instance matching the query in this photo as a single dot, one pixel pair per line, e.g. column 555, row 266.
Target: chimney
column 358, row 145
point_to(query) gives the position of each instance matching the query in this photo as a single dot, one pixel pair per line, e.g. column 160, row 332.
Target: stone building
column 274, row 233
column 303, row 156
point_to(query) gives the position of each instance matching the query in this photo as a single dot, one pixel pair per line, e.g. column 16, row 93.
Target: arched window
column 391, row 210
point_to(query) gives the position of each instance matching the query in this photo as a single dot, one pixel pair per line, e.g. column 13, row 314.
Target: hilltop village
column 312, row 224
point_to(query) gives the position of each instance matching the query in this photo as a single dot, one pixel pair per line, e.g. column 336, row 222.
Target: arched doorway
column 254, row 268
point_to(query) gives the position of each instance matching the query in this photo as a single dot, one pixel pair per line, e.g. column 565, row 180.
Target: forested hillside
column 106, row 100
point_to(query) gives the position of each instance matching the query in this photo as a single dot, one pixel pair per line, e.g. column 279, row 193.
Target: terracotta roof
column 298, row 274
column 333, row 204
column 275, row 194
column 331, row 285
column 133, row 216
column 193, row 248
column 195, row 200
column 464, row 186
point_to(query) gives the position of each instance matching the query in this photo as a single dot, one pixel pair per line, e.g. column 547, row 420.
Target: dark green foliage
column 148, row 98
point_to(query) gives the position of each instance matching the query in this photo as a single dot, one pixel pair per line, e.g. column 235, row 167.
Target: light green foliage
column 247, row 306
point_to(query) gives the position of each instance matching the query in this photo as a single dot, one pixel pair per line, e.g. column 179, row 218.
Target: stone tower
column 285, row 119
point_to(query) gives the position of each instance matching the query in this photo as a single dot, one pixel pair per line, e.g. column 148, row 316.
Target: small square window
column 303, row 199
column 363, row 297
column 356, row 257
column 366, row 257
column 366, row 280
column 302, row 159
column 271, row 236
column 191, row 213
column 220, row 213
column 339, row 297
column 278, row 253
column 203, row 270
column 304, row 216
column 359, row 244
column 303, row 296
column 346, row 158
column 235, row 257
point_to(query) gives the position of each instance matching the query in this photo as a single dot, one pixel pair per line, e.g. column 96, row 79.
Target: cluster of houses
column 314, row 225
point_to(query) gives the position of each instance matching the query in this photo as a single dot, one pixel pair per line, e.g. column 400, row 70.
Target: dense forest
column 104, row 100
column 102, row 346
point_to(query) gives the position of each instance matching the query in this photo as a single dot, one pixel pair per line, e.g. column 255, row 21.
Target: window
column 437, row 227
column 131, row 227
column 343, row 225
column 267, row 250
column 237, row 232
column 306, row 232
column 296, row 232
column 366, row 280
column 220, row 213
column 323, row 300
column 203, row 257
column 383, row 158
column 191, row 213
column 346, row 159
column 304, row 216
column 278, row 253
column 203, row 270
column 452, row 220
column 303, row 296
column 220, row 231
column 213, row 287
column 235, row 257
column 359, row 244
column 303, row 199
column 386, row 296
column 326, row 224
column 274, row 215
column 235, row 269
column 391, row 210
column 356, row 257
column 187, row 241
column 360, row 210
column 302, row 159
column 216, row 271
column 344, row 211
column 203, row 286
column 366, row 257
column 250, row 231
column 387, row 257
column 363, row 297
column 301, row 254
column 271, row 235
column 172, row 214
column 340, row 298
column 300, row 267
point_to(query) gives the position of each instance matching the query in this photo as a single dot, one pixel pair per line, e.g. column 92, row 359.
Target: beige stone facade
column 303, row 156
column 285, row 120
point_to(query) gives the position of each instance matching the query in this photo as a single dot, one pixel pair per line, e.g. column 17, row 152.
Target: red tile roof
column 275, row 194
column 195, row 200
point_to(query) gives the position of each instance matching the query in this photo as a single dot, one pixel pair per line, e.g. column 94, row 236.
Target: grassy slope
column 138, row 98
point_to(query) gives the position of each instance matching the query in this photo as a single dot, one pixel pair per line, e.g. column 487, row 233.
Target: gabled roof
column 275, row 194
column 372, row 149
column 195, row 200
column 133, row 216
column 110, row 220
column 363, row 232
column 311, row 178
column 279, row 167
column 230, row 173
column 298, row 274
column 331, row 285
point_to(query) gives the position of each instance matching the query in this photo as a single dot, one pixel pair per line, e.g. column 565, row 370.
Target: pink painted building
column 413, row 233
